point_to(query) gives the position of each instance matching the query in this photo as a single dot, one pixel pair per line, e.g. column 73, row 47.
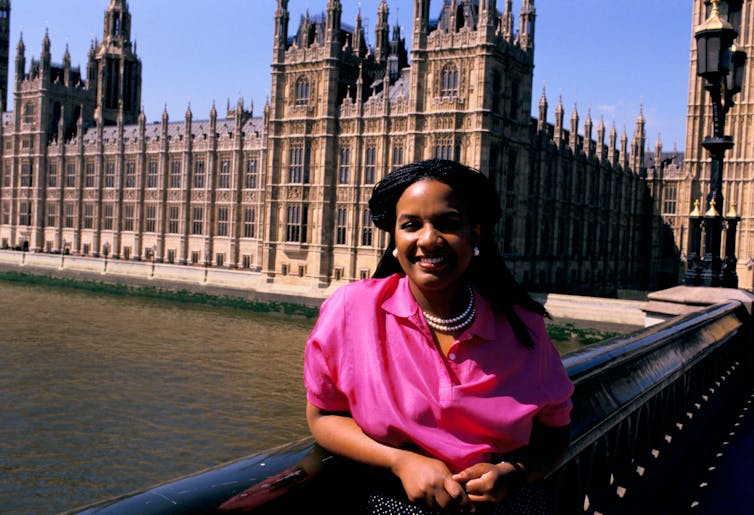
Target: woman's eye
column 448, row 224
column 408, row 225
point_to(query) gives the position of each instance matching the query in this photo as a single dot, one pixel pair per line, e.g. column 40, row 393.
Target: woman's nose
column 428, row 236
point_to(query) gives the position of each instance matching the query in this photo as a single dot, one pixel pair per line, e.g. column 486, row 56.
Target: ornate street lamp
column 721, row 66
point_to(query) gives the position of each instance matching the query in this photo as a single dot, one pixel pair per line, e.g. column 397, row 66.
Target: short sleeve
column 554, row 383
column 557, row 387
column 322, row 356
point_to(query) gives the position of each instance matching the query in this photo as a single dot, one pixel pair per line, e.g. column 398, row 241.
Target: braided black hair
column 488, row 273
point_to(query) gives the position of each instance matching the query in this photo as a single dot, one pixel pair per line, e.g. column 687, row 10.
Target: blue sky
column 607, row 57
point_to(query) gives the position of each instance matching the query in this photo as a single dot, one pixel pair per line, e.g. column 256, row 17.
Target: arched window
column 302, row 92
column 449, row 81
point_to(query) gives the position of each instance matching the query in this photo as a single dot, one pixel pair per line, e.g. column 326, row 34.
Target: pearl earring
column 475, row 250
column 395, row 253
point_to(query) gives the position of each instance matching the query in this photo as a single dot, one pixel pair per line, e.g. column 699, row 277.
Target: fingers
column 470, row 473
column 457, row 495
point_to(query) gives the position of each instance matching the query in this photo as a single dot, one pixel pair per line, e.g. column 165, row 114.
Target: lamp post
column 62, row 253
column 207, row 251
column 154, row 256
column 105, row 252
column 721, row 66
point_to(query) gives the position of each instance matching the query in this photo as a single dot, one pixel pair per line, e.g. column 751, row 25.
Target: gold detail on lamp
column 696, row 213
column 732, row 213
column 712, row 211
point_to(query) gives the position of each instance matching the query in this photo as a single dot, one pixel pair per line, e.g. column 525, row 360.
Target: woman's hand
column 425, row 480
column 428, row 481
column 486, row 482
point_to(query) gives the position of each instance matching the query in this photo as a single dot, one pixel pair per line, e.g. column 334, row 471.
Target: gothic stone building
column 285, row 193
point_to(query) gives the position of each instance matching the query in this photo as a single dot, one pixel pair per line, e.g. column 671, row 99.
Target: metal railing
column 647, row 407
column 648, row 410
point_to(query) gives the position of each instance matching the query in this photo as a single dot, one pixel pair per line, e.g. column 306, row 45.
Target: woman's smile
column 431, row 263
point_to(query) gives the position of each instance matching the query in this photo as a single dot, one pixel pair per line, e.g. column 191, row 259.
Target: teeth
column 432, row 261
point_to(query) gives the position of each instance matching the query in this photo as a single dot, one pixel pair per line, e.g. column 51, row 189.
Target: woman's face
column 433, row 235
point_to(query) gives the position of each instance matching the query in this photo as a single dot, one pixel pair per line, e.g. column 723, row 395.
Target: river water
column 101, row 395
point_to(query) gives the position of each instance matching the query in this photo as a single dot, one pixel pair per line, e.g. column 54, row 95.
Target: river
column 101, row 395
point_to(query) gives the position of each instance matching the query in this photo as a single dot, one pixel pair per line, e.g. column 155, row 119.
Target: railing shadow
column 647, row 412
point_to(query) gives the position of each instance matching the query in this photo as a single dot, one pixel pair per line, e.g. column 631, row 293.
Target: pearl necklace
column 449, row 325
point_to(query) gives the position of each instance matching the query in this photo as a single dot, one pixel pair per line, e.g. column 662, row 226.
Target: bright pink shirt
column 372, row 354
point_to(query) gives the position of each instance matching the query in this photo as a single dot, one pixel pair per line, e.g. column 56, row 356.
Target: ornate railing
column 648, row 408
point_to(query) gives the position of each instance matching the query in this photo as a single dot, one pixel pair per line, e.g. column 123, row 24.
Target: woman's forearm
column 341, row 435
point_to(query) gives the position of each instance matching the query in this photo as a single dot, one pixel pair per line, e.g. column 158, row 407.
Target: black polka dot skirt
column 529, row 500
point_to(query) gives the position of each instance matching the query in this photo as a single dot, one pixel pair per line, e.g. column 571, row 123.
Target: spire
column 20, row 60
column 508, row 21
column 421, row 24
column 45, row 58
column 118, row 69
column 382, row 33
column 559, row 120
column 611, row 145
column 67, row 67
column 526, row 26
column 239, row 114
column 360, row 85
column 588, row 134
column 332, row 30
column 542, row 122
column 624, row 148
column 601, row 139
column 117, row 26
column 658, row 151
column 639, row 142
column 91, row 68
column 640, row 123
column 46, row 43
column 359, row 43
column 281, row 25
column 574, row 139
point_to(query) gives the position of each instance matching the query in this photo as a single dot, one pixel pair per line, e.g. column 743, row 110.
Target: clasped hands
column 428, row 481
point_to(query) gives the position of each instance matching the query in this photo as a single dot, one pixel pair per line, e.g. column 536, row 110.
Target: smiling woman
column 439, row 371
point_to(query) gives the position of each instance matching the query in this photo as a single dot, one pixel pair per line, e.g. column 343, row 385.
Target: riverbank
column 233, row 288
column 174, row 295
column 577, row 318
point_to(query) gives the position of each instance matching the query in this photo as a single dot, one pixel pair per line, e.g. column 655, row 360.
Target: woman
column 438, row 369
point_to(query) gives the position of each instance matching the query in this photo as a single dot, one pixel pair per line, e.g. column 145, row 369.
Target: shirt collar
column 401, row 303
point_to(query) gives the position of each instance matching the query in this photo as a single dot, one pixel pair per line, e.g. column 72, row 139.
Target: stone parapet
column 593, row 309
column 679, row 300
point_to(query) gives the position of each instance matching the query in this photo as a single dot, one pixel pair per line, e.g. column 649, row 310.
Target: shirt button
column 452, row 355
